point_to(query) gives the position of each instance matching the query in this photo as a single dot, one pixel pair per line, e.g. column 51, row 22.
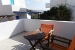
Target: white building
column 70, row 4
column 15, row 8
column 47, row 5
column 56, row 2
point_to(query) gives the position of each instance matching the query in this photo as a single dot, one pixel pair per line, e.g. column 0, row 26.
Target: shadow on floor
column 23, row 44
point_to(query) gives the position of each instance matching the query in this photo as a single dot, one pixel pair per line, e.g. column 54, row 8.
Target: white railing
column 61, row 28
column 10, row 28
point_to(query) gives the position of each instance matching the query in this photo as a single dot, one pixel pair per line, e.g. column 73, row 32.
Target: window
column 12, row 2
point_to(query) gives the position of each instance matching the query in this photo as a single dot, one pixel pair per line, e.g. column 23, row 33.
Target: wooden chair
column 72, row 45
column 48, row 30
column 56, row 42
column 60, row 47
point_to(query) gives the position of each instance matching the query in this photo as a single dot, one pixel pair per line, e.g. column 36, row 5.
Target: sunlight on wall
column 7, row 2
column 10, row 28
column 28, row 16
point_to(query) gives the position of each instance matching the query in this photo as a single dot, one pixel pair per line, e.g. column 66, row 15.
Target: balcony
column 11, row 32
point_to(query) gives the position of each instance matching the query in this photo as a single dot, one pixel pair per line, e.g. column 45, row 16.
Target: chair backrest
column 46, row 28
column 72, row 45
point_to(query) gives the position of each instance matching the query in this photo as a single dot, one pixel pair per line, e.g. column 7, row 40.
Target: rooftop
column 15, row 29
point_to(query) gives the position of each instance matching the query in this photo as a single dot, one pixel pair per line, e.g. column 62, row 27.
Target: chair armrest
column 51, row 32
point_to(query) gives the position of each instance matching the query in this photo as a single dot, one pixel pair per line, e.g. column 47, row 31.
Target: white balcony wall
column 28, row 16
column 61, row 28
column 10, row 28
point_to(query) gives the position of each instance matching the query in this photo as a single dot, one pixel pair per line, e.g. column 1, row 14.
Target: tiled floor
column 17, row 42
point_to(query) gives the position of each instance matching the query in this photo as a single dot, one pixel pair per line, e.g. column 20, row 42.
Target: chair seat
column 58, row 47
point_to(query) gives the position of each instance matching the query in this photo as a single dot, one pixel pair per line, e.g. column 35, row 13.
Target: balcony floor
column 17, row 42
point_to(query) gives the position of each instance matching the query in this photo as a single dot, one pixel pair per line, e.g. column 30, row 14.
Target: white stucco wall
column 23, row 16
column 1, row 12
column 61, row 28
column 14, row 17
column 47, row 5
column 5, row 2
column 10, row 28
column 5, row 9
column 55, row 2
column 19, row 5
column 28, row 16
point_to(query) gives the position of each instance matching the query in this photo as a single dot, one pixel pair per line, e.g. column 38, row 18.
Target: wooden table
column 37, row 38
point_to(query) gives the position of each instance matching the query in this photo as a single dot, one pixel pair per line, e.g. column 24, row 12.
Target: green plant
column 53, row 13
column 57, row 13
column 45, row 15
column 35, row 16
column 63, row 13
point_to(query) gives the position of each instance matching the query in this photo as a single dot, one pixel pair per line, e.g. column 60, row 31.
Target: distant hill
column 29, row 10
column 37, row 10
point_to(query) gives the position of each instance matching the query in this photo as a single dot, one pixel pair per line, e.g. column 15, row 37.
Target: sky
column 37, row 4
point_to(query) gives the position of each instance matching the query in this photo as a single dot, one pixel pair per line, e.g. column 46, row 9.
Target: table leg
column 38, row 41
column 31, row 45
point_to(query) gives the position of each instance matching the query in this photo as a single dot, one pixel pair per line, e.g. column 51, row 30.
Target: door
column 17, row 17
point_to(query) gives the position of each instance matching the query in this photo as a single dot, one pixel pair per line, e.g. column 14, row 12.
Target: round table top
column 38, row 36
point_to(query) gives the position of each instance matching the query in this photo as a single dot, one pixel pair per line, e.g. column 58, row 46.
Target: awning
column 17, row 12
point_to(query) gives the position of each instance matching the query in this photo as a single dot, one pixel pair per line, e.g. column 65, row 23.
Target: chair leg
column 31, row 45
column 43, row 49
column 48, row 40
column 32, row 49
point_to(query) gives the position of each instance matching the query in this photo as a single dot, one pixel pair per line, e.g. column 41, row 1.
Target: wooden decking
column 58, row 47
